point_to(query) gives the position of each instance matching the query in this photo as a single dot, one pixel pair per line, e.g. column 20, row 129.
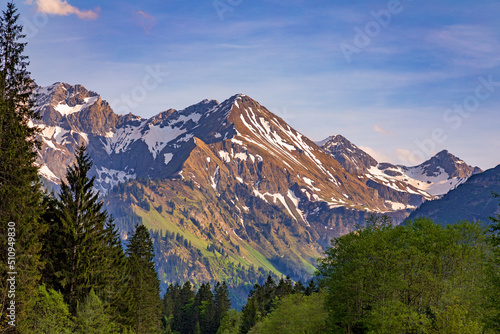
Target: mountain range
column 472, row 201
column 234, row 181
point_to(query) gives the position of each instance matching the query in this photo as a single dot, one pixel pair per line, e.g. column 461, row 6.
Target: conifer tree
column 146, row 311
column 20, row 190
column 83, row 249
column 222, row 302
column 205, row 309
column 117, row 292
column 81, row 234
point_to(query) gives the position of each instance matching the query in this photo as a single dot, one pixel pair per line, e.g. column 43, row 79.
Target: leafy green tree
column 295, row 314
column 493, row 295
column 49, row 314
column 92, row 318
column 20, row 190
column 386, row 279
column 145, row 286
column 231, row 323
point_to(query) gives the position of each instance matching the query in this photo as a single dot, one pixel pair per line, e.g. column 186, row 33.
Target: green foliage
column 185, row 311
column 145, row 286
column 493, row 297
column 49, row 313
column 92, row 318
column 83, row 250
column 413, row 278
column 263, row 299
column 230, row 324
column 20, row 190
column 222, row 302
column 296, row 314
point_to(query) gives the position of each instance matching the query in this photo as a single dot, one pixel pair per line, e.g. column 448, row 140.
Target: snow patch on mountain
column 47, row 173
column 123, row 138
column 66, row 110
column 437, row 184
column 158, row 137
column 108, row 178
column 168, row 157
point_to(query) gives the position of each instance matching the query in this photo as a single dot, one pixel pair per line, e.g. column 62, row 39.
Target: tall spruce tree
column 222, row 302
column 117, row 292
column 145, row 286
column 205, row 310
column 80, row 236
column 20, row 190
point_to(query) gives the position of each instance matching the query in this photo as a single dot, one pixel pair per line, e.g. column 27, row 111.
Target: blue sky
column 402, row 79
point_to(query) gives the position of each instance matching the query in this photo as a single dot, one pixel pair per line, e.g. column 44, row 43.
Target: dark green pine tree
column 146, row 312
column 299, row 287
column 205, row 309
column 250, row 315
column 171, row 303
column 81, row 235
column 20, row 190
column 185, row 312
column 52, row 252
column 222, row 302
column 285, row 287
column 117, row 293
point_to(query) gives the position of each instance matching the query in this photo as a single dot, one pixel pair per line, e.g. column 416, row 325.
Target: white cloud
column 377, row 155
column 62, row 7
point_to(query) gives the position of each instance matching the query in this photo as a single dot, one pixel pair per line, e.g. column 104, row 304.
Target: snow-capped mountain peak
column 434, row 177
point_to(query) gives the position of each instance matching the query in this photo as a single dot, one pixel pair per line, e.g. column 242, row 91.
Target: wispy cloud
column 62, row 7
column 407, row 157
column 377, row 155
column 381, row 130
column 145, row 20
column 469, row 45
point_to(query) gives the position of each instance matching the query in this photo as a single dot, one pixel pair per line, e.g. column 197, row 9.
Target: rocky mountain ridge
column 472, row 200
column 230, row 176
column 429, row 180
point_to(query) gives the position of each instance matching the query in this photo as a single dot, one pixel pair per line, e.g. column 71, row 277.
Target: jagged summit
column 235, row 142
column 452, row 165
column 351, row 157
column 434, row 177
